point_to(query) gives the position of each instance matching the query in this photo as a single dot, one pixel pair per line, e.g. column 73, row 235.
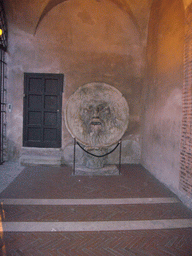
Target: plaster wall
column 163, row 95
column 87, row 41
column 187, row 3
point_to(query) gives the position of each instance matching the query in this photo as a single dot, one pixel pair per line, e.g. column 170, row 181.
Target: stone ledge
column 105, row 171
column 40, row 156
column 40, row 151
column 39, row 160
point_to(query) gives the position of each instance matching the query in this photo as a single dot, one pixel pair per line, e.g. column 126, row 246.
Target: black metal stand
column 74, row 153
column 120, row 148
column 74, row 156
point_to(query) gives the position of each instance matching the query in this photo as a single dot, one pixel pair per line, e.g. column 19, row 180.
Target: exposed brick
column 186, row 141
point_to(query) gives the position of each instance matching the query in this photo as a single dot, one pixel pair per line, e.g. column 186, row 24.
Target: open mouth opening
column 95, row 123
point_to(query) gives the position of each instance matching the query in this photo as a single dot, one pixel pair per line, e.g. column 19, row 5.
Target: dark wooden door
column 42, row 110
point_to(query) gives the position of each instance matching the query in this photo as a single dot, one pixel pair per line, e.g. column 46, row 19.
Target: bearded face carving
column 94, row 115
column 97, row 115
column 97, row 118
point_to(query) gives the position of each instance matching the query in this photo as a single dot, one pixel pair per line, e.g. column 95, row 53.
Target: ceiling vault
column 122, row 4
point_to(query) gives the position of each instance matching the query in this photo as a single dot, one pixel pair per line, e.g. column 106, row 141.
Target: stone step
column 40, row 156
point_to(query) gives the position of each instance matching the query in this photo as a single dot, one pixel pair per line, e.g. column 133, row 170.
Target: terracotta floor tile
column 42, row 182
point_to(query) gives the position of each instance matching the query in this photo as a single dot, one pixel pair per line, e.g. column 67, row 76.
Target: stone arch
column 122, row 4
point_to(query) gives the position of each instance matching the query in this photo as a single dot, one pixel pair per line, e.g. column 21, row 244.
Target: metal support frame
column 3, row 66
column 3, row 91
column 3, row 27
column 74, row 147
column 74, row 153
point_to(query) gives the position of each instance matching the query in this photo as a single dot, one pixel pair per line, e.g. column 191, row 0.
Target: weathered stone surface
column 106, row 170
column 130, row 153
column 40, row 156
column 97, row 115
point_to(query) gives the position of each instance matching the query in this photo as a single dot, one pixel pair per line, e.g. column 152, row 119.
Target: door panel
column 42, row 110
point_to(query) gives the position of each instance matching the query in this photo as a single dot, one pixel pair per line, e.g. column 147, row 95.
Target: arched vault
column 27, row 15
column 122, row 4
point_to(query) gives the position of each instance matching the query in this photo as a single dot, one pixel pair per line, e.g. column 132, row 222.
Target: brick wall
column 186, row 142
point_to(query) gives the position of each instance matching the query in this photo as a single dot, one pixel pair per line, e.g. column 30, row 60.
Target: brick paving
column 128, row 243
column 57, row 182
column 95, row 213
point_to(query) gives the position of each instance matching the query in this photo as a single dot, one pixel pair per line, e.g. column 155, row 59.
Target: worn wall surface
column 187, row 3
column 87, row 41
column 186, row 138
column 163, row 95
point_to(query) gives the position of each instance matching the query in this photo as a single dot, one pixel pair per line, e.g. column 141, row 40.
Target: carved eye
column 88, row 110
column 99, row 108
column 106, row 110
column 85, row 110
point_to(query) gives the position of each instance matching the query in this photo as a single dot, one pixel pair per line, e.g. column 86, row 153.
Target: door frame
column 42, row 143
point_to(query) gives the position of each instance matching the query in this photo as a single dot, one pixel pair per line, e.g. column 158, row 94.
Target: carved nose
column 95, row 113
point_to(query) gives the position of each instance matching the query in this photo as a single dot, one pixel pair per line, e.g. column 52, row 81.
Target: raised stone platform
column 40, row 156
column 106, row 170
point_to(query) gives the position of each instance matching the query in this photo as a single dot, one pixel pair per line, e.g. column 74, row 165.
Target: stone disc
column 97, row 115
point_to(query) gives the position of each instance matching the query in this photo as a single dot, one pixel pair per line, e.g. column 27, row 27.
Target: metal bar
column 1, row 118
column 120, row 156
column 98, row 155
column 2, row 106
column 118, row 144
column 3, row 25
column 74, row 157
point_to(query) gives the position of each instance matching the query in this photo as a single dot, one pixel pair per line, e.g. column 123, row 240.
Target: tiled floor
column 44, row 212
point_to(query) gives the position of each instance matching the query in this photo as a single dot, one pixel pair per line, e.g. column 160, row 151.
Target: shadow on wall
column 12, row 152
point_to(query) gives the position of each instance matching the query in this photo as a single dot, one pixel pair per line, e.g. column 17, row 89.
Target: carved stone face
column 97, row 115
